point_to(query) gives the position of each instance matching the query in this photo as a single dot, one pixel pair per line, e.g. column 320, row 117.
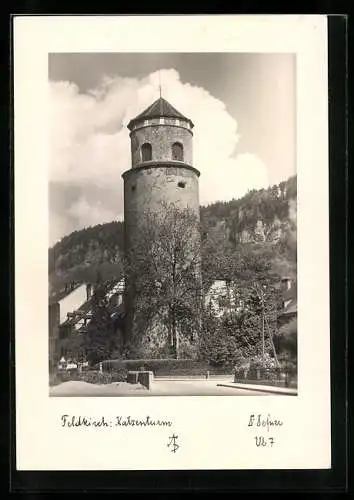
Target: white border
column 213, row 432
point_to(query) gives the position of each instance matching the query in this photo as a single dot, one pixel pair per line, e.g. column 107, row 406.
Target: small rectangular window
column 146, row 152
column 177, row 151
column 181, row 184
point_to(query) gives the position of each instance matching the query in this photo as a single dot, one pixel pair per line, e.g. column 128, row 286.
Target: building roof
column 64, row 292
column 82, row 311
column 290, row 298
column 291, row 293
column 159, row 108
column 289, row 311
column 291, row 308
column 112, row 287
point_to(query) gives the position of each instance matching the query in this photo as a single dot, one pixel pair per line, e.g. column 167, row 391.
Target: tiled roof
column 113, row 286
column 84, row 309
column 159, row 108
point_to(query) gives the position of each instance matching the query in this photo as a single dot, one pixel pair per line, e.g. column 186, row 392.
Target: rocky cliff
column 265, row 218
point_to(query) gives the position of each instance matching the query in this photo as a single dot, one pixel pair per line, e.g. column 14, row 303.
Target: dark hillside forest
column 263, row 222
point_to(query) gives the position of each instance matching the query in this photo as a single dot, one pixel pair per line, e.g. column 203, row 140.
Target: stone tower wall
column 150, row 185
column 148, row 188
column 161, row 137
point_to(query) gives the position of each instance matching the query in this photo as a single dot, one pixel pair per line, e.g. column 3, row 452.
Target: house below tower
column 70, row 312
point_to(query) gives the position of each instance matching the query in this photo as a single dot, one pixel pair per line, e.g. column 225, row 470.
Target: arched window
column 177, row 151
column 146, row 152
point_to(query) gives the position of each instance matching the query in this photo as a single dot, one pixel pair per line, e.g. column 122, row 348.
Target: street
column 159, row 388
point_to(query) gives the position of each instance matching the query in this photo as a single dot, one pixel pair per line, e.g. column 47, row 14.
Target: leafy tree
column 73, row 346
column 286, row 340
column 162, row 299
column 100, row 340
column 249, row 323
column 163, row 275
column 225, row 341
column 214, row 346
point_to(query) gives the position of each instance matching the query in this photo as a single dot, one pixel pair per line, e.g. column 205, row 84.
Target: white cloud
column 59, row 225
column 90, row 144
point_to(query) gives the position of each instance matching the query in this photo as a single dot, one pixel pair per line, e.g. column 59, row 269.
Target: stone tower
column 161, row 174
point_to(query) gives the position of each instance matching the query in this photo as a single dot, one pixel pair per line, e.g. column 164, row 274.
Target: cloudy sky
column 242, row 105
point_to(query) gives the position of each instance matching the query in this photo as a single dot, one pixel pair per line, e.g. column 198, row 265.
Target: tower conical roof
column 159, row 108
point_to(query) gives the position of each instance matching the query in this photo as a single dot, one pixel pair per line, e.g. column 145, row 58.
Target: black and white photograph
column 172, row 223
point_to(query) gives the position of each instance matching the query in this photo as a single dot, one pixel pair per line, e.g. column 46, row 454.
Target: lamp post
column 265, row 321
column 263, row 347
column 260, row 293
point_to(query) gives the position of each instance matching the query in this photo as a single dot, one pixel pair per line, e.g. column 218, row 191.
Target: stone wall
column 161, row 138
column 147, row 189
column 149, row 186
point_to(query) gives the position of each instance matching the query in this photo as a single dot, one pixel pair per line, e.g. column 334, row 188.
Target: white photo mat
column 213, row 432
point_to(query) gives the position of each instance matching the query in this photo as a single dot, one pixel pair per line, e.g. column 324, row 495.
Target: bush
column 287, row 339
column 163, row 367
column 260, row 362
column 266, row 369
column 90, row 376
column 96, row 377
column 55, row 379
column 265, row 366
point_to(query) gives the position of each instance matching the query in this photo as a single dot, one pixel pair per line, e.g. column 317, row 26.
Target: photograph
column 172, row 247
column 172, row 243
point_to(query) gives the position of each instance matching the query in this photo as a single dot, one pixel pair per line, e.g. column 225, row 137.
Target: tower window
column 177, row 151
column 133, row 187
column 181, row 184
column 146, row 152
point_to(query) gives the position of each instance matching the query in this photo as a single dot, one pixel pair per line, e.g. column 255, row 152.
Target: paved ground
column 159, row 388
column 285, row 391
column 198, row 388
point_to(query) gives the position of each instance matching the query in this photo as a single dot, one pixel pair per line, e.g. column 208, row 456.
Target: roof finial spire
column 160, row 83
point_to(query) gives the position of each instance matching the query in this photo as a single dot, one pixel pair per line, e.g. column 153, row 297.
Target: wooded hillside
column 261, row 222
